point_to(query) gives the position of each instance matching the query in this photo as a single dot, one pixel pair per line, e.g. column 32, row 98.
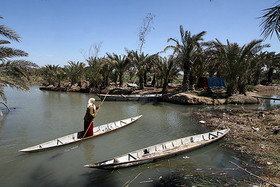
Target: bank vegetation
column 241, row 67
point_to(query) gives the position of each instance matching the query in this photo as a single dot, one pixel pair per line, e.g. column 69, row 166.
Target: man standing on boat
column 89, row 117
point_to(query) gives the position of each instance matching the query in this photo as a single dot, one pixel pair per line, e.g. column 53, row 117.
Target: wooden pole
column 261, row 97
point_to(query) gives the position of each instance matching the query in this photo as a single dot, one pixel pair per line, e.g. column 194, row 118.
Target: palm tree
column 53, row 74
column 260, row 61
column 13, row 76
column 237, row 63
column 185, row 50
column 139, row 62
column 271, row 22
column 94, row 71
column 272, row 63
column 12, row 72
column 168, row 71
column 120, row 64
column 203, row 66
column 74, row 71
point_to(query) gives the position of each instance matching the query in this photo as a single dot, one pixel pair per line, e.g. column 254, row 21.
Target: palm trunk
column 154, row 80
column 231, row 87
column 186, row 80
column 121, row 79
column 141, row 82
column 165, row 86
column 269, row 75
column 191, row 81
column 242, row 87
column 145, row 78
column 257, row 77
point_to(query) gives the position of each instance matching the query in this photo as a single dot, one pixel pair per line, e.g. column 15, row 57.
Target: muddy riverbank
column 216, row 96
column 254, row 134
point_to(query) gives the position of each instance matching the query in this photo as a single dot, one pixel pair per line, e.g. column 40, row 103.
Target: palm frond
column 4, row 42
column 7, row 52
column 13, row 77
column 271, row 22
column 8, row 33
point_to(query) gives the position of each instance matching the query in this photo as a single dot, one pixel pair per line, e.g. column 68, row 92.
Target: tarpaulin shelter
column 211, row 82
column 214, row 82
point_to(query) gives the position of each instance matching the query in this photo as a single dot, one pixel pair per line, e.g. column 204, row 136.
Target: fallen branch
column 129, row 182
column 149, row 181
column 5, row 106
column 255, row 175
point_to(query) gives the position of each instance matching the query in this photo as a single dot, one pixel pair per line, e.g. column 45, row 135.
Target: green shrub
column 250, row 88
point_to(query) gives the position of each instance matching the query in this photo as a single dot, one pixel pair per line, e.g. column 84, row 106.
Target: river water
column 38, row 116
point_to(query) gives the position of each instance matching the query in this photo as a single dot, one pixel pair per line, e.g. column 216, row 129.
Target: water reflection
column 131, row 110
column 275, row 102
column 88, row 151
column 267, row 104
column 173, row 119
column 3, row 118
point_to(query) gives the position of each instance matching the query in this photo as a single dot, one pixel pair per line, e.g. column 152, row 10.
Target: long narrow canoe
column 160, row 151
column 78, row 136
column 134, row 97
column 262, row 97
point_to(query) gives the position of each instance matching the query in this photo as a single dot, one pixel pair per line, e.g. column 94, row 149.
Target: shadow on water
column 48, row 169
column 205, row 177
column 164, row 174
column 43, row 176
column 186, row 172
column 99, row 177
column 61, row 153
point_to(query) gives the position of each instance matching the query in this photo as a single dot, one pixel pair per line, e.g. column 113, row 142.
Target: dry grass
column 252, row 133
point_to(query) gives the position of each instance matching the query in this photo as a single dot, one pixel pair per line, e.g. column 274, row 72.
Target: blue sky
column 58, row 31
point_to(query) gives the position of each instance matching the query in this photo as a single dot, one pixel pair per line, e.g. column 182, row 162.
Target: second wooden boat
column 160, row 151
column 134, row 97
column 78, row 136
